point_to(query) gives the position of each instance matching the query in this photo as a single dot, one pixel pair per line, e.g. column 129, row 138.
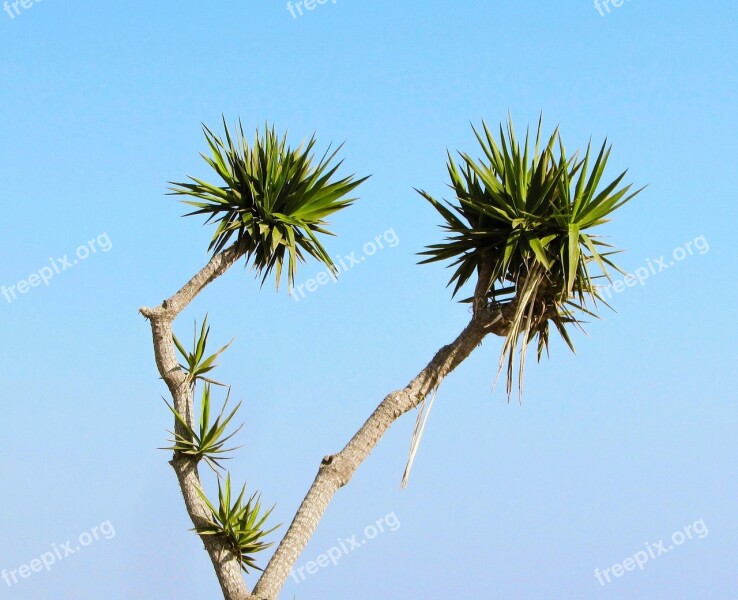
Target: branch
column 225, row 563
column 217, row 265
column 336, row 471
column 480, row 301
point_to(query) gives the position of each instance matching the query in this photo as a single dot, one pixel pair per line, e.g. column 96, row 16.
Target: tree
column 518, row 227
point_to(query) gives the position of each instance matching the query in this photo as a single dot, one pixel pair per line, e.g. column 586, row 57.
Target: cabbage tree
column 519, row 236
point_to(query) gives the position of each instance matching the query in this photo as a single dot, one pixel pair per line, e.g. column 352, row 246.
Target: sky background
column 620, row 446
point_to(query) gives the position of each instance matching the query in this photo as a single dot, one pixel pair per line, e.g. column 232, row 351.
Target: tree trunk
column 336, row 471
column 225, row 562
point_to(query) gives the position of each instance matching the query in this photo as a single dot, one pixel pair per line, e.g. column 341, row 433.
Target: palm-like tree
column 521, row 222
column 523, row 218
column 269, row 207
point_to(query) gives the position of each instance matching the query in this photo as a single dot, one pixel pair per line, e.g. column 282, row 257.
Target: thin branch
column 336, row 471
column 161, row 318
column 217, row 265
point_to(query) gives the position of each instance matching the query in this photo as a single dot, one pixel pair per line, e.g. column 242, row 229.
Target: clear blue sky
column 624, row 444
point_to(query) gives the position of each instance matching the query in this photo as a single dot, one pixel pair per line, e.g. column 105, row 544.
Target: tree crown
column 272, row 201
column 523, row 217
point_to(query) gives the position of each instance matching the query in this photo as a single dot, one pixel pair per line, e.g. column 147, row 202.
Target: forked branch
column 335, row 471
column 161, row 318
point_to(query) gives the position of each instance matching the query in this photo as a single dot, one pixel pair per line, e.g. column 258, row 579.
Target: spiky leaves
column 239, row 524
column 197, row 363
column 273, row 200
column 209, row 441
column 525, row 214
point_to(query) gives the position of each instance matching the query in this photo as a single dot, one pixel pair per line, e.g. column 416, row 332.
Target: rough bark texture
column 161, row 318
column 336, row 471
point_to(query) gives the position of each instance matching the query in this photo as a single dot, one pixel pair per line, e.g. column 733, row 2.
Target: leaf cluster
column 209, row 441
column 272, row 199
column 239, row 524
column 525, row 214
column 196, row 363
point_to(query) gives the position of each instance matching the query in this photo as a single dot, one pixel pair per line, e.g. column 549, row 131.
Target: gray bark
column 335, row 471
column 161, row 319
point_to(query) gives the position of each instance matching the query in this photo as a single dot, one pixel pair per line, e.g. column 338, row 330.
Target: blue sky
column 612, row 450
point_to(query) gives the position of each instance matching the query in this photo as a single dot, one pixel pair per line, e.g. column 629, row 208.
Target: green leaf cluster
column 240, row 524
column 526, row 213
column 272, row 199
column 196, row 363
column 209, row 441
